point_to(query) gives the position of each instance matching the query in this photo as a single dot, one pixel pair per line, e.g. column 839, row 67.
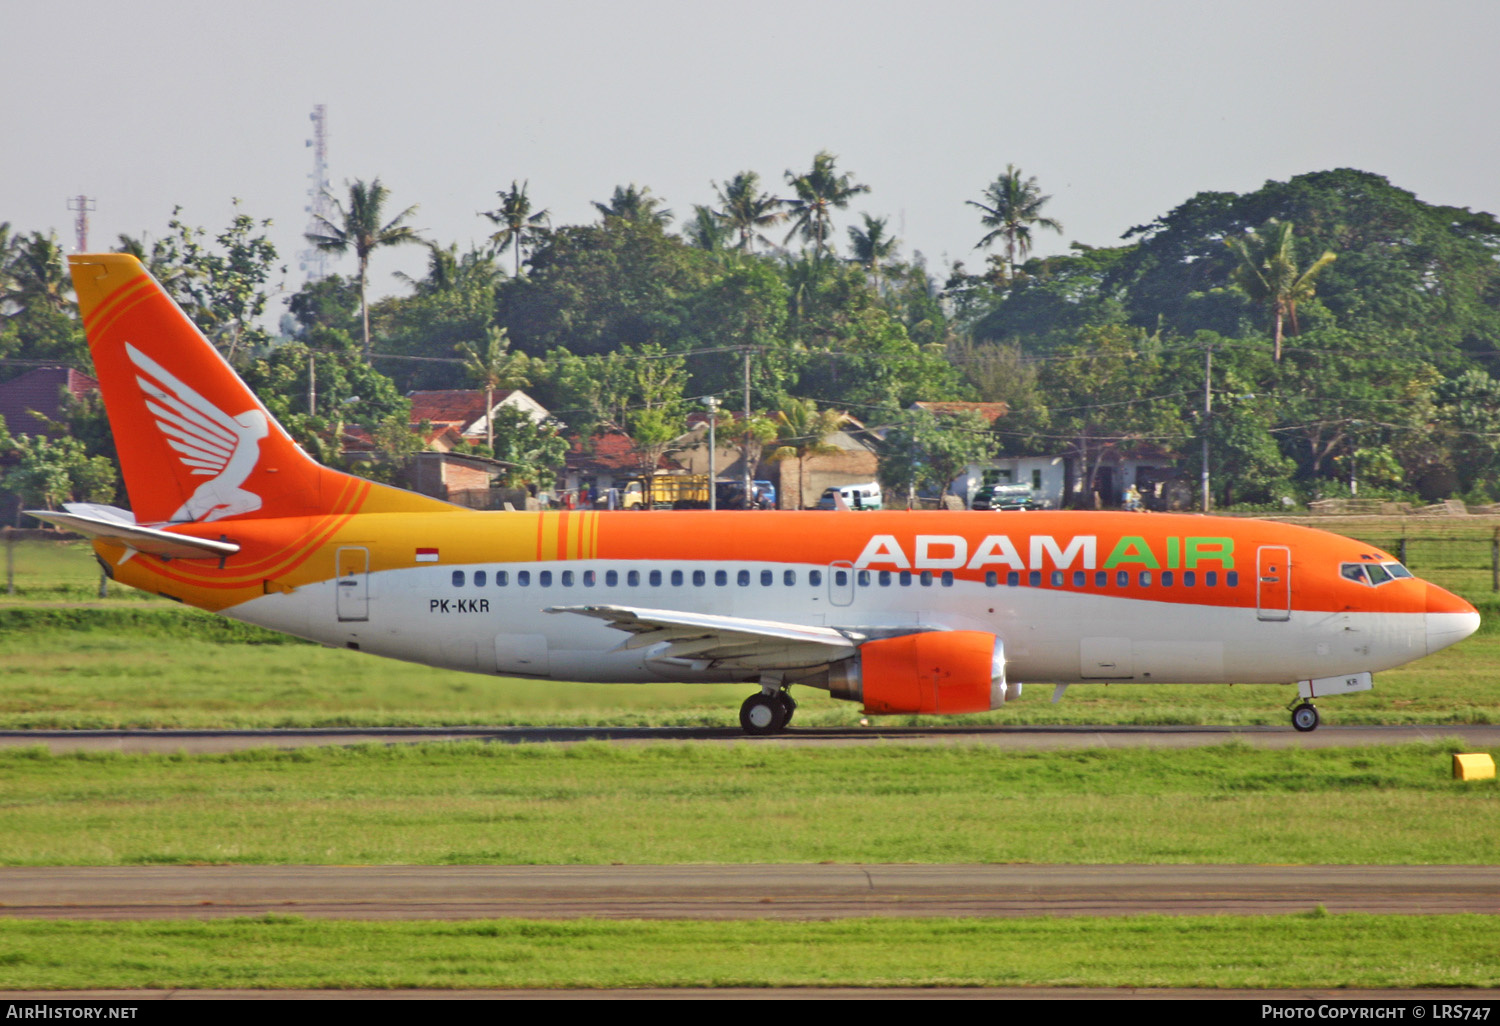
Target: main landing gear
column 767, row 712
column 1305, row 717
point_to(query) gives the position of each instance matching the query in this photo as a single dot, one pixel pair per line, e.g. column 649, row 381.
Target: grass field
column 1312, row 950
column 597, row 803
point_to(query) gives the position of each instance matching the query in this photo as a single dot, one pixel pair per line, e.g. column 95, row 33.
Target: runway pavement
column 1479, row 737
column 738, row 891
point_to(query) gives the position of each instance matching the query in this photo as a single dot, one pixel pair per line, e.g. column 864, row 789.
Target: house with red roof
column 41, row 391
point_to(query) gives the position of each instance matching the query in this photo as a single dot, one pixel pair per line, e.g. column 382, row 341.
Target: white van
column 856, row 496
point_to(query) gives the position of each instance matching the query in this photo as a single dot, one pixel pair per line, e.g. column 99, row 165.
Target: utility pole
column 712, row 402
column 1208, row 412
column 745, row 427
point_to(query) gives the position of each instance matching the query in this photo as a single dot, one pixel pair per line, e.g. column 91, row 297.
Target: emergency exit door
column 1273, row 582
column 353, row 583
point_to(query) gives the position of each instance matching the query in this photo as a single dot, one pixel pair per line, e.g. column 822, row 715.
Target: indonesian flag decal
column 427, row 555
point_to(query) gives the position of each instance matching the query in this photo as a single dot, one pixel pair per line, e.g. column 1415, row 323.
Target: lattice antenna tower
column 81, row 205
column 312, row 260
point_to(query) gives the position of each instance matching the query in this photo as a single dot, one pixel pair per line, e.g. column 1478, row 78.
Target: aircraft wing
column 704, row 640
column 119, row 527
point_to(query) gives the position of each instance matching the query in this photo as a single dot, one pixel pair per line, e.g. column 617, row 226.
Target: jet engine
column 931, row 672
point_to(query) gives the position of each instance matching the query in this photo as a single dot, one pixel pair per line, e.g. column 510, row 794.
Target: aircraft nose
column 1449, row 619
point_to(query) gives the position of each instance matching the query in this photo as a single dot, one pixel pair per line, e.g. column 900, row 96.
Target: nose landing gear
column 767, row 712
column 1305, row 717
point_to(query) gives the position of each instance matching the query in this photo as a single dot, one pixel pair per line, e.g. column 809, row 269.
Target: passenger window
column 480, row 578
column 1167, row 578
column 885, row 578
column 700, row 578
column 544, row 578
column 1189, row 579
column 1080, row 578
column 1012, row 579
column 523, row 578
column 947, row 578
column 458, row 578
column 1232, row 578
column 863, row 577
column 1058, row 578
column 841, row 578
column 676, row 578
column 1101, row 578
column 1377, row 573
column 654, row 579
column 721, row 578
column 815, row 578
column 567, row 578
column 767, row 578
column 1145, row 578
column 1122, row 578
column 589, row 578
column 743, row 577
column 633, row 578
column 789, row 578
column 1035, row 578
column 905, row 578
column 501, row 578
column 611, row 578
column 991, row 579
column 926, row 578
column 1211, row 579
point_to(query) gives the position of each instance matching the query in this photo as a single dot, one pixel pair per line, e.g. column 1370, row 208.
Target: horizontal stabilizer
column 118, row 527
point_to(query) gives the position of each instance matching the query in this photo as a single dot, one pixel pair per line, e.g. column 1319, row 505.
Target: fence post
column 1495, row 560
column 1401, row 553
column 10, row 561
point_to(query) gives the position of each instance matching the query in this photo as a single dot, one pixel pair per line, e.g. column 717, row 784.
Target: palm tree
column 518, row 225
column 37, row 272
column 1267, row 272
column 819, row 192
column 707, row 230
column 746, row 210
column 635, row 204
column 449, row 272
column 494, row 367
column 803, row 430
column 872, row 245
column 1011, row 208
column 362, row 227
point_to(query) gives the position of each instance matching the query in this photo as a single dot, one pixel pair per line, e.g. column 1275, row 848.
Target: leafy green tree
column 802, row 431
column 1267, row 272
column 518, row 226
column 50, row 471
column 871, row 247
column 929, row 449
column 746, row 210
column 532, row 452
column 493, row 366
column 819, row 191
column 591, row 392
column 635, row 204
column 362, row 227
column 1012, row 208
column 707, row 230
column 37, row 319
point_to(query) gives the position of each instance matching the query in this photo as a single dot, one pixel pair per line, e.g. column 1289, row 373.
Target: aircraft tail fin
column 195, row 444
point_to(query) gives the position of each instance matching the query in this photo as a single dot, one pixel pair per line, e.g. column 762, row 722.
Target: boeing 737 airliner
column 904, row 612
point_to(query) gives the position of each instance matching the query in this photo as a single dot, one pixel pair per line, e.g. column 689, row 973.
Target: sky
column 1121, row 110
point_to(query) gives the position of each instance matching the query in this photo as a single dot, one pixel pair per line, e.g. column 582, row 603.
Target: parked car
column 856, row 496
column 1004, row 497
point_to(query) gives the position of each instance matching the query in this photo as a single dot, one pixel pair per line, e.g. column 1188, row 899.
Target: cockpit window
column 1373, row 574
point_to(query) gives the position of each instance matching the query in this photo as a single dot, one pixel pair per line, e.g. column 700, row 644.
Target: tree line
column 1321, row 336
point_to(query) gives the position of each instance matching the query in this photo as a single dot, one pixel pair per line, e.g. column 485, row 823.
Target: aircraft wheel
column 762, row 714
column 788, row 707
column 1305, row 717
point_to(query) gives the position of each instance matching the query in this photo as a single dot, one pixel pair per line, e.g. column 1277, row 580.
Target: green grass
column 473, row 803
column 1310, row 950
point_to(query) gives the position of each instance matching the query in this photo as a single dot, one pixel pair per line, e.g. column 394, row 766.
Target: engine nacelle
column 931, row 672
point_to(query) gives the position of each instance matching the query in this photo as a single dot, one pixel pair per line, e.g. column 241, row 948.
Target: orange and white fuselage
column 904, row 611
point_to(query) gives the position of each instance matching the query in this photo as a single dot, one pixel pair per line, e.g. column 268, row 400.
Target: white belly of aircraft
column 420, row 614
